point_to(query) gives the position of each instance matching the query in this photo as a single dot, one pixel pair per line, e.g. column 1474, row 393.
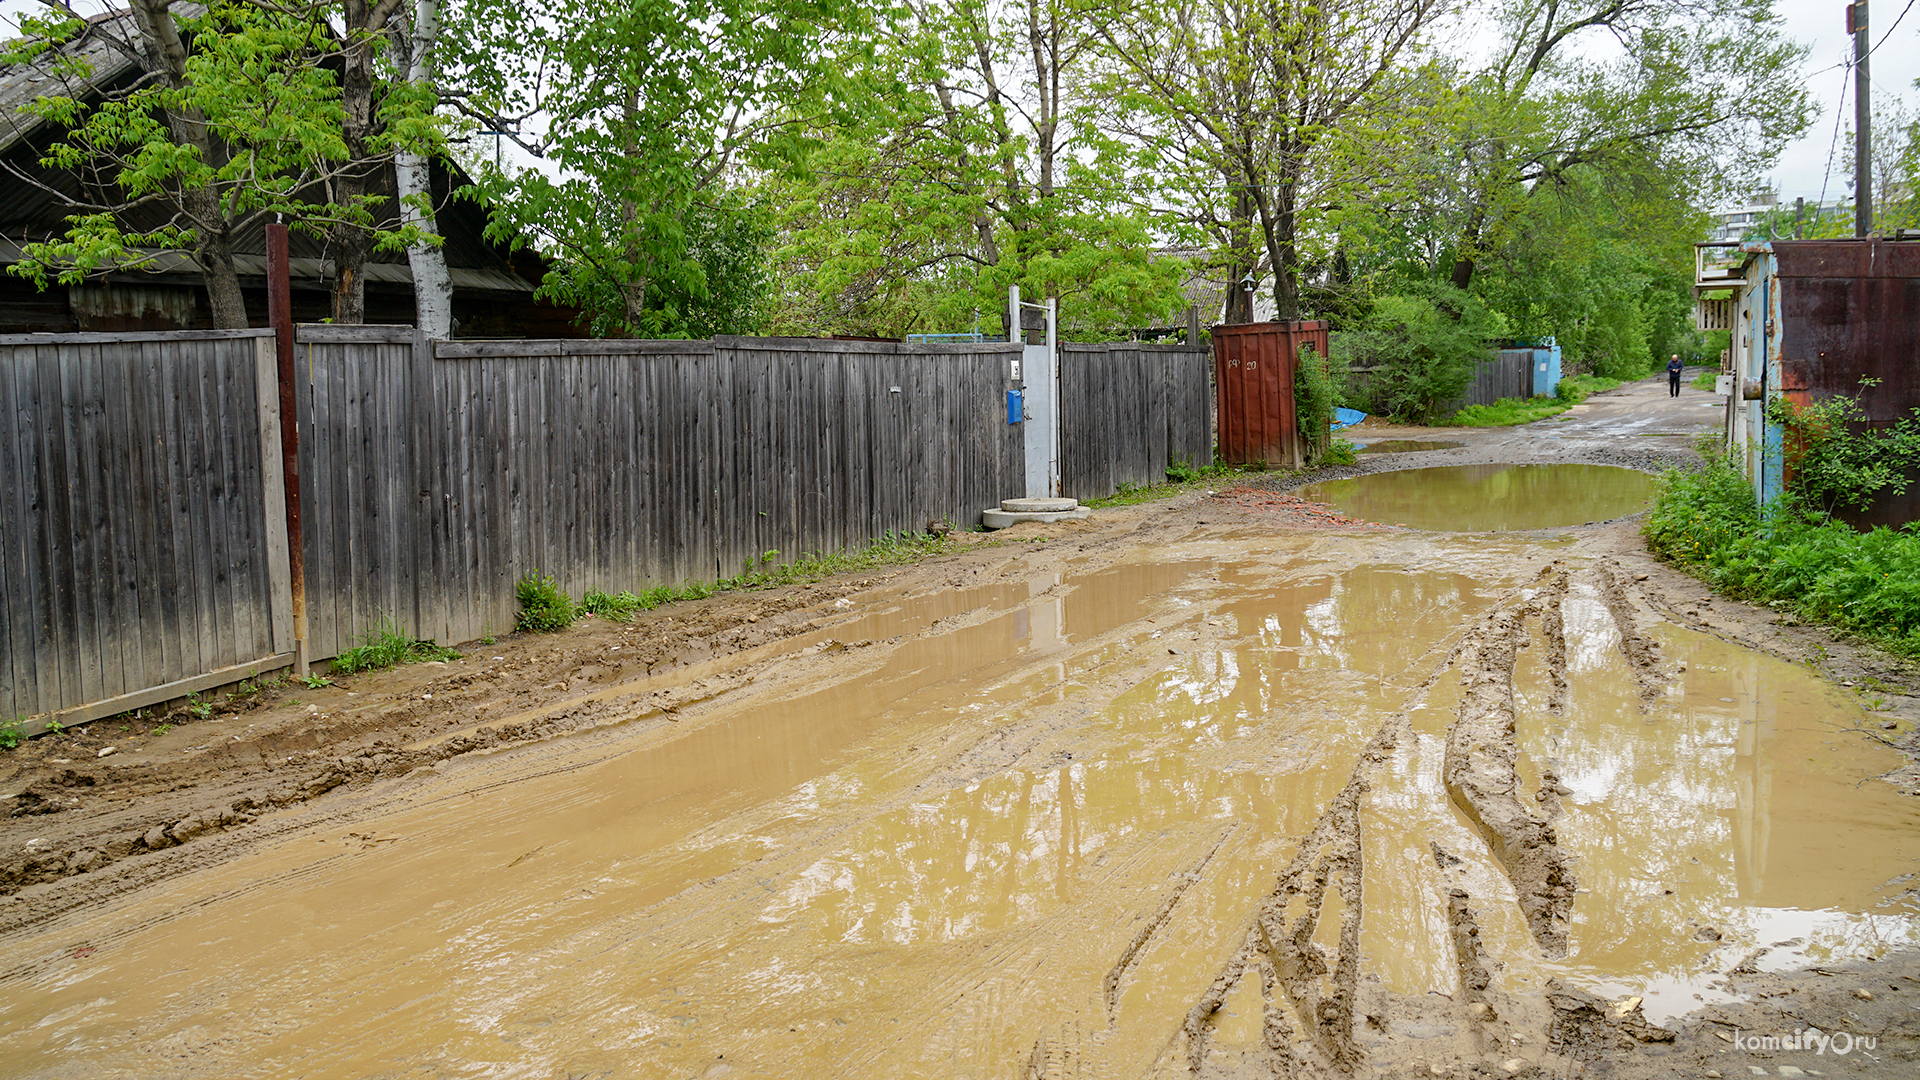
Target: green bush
column 543, row 606
column 1423, row 345
column 1793, row 557
column 1316, row 394
column 13, row 732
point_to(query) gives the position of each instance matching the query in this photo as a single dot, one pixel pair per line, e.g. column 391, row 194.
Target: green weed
column 201, row 710
column 1340, row 452
column 13, row 732
column 385, row 646
column 1508, row 412
column 315, row 682
column 162, row 729
column 543, row 605
column 1794, row 557
column 619, row 606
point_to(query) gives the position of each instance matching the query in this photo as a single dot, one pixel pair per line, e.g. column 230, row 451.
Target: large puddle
column 1041, row 823
column 1488, row 498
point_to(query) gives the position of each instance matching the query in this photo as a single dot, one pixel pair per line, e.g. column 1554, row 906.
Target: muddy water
column 1482, row 498
column 1030, row 830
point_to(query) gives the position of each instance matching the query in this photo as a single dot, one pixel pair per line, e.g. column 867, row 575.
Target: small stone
column 1713, row 1074
column 106, row 751
column 1516, row 1065
column 1758, row 1071
column 1789, row 1070
column 1639, row 577
column 1173, row 652
column 1863, row 994
column 1706, row 933
column 1481, row 1011
column 1435, row 1069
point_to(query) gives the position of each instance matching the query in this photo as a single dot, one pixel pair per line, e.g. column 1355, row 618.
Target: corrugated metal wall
column 1254, row 366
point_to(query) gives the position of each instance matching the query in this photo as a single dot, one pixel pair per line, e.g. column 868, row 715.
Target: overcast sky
column 1804, row 166
column 1814, row 164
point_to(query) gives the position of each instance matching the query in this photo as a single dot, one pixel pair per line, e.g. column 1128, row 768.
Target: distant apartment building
column 1764, row 215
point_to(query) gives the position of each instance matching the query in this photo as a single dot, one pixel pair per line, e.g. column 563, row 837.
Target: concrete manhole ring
column 1038, row 506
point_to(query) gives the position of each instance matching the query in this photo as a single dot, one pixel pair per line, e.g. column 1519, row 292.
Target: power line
column 1891, row 29
column 1839, row 111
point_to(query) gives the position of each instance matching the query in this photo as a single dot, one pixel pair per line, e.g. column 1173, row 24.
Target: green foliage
column 1794, row 558
column 544, row 606
column 315, row 682
column 1422, row 345
column 1835, row 461
column 240, row 117
column 1316, row 394
column 13, row 732
column 385, row 646
column 1182, row 478
column 200, row 710
column 652, row 114
column 1508, row 412
column 619, row 606
column 1341, row 452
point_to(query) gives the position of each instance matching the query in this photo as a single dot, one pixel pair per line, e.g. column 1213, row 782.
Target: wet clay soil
column 1184, row 790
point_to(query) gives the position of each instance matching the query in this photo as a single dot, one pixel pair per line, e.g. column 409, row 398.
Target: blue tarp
column 1344, row 418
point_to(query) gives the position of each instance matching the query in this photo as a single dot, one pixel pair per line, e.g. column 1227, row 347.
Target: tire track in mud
column 1480, row 772
column 1642, row 653
column 1303, row 989
column 1310, row 991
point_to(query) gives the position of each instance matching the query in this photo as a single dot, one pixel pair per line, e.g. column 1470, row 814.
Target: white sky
column 1894, row 66
column 1814, row 163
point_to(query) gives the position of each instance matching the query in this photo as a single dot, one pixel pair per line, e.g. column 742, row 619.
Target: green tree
column 651, row 117
column 234, row 114
column 1418, row 349
column 970, row 165
column 1256, row 120
column 1701, row 91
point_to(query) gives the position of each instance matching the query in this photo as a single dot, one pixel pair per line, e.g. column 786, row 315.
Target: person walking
column 1673, row 376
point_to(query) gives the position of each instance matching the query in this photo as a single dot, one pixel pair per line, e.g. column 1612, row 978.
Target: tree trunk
column 432, row 285
column 1242, row 262
column 214, row 252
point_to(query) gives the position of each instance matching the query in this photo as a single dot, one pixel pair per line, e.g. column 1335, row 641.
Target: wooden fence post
column 280, row 316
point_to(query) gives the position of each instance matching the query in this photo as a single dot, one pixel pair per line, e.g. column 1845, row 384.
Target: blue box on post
column 1013, row 406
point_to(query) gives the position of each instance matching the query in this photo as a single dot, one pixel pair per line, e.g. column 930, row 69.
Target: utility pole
column 1862, row 121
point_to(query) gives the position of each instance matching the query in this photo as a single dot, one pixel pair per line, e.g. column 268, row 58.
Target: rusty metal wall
column 1850, row 310
column 1253, row 379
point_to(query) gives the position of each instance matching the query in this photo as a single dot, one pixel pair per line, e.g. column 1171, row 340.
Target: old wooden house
column 493, row 285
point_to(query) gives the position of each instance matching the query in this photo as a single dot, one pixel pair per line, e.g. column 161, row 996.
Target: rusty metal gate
column 1253, row 367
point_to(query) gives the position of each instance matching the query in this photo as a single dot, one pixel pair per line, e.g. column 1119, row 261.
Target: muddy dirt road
column 1225, row 786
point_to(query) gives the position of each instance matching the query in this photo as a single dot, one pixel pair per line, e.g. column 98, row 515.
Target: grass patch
column 543, row 604
column 1705, row 380
column 13, row 732
column 385, row 646
column 1508, row 412
column 618, row 606
column 1181, row 478
column 1798, row 560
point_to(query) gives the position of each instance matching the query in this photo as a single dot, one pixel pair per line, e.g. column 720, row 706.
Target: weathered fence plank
column 133, row 521
column 1127, row 412
column 141, row 527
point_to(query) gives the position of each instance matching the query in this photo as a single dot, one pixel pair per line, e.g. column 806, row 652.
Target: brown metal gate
column 1253, row 368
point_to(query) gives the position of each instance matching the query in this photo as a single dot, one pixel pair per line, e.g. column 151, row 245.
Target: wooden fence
column 438, row 473
column 142, row 521
column 1127, row 411
column 143, row 549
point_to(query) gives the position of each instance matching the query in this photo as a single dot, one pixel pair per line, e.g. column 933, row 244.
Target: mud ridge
column 1642, row 654
column 1110, row 986
column 1553, row 626
column 1482, row 779
column 1585, row 1025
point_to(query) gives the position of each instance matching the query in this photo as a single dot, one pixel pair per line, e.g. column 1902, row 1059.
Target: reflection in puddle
column 1483, row 498
column 915, row 867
